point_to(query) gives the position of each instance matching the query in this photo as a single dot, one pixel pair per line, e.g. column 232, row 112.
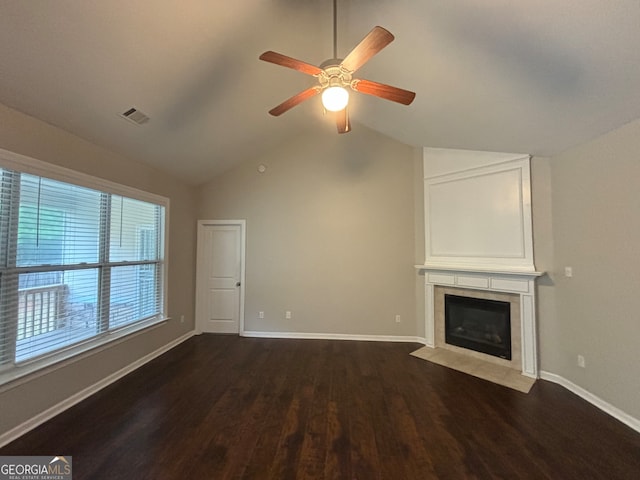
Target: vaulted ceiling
column 530, row 76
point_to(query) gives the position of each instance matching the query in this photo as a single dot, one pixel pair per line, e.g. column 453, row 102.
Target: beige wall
column 25, row 135
column 596, row 229
column 330, row 234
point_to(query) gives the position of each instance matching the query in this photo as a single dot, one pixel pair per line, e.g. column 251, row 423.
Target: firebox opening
column 478, row 324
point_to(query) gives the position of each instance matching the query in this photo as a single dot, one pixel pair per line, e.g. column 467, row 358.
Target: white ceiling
column 530, row 76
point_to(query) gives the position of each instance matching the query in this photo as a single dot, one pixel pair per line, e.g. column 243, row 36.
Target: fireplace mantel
column 521, row 283
column 516, row 272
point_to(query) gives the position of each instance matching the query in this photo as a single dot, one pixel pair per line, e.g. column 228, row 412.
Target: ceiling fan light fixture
column 335, row 98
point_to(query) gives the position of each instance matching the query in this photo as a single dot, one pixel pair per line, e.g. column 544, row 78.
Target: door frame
column 202, row 224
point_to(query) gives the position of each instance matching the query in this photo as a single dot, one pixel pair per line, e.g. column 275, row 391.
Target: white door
column 220, row 276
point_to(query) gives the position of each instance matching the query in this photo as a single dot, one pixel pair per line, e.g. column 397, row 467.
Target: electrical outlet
column 260, row 314
column 568, row 272
column 397, row 318
column 581, row 362
column 287, row 314
column 181, row 318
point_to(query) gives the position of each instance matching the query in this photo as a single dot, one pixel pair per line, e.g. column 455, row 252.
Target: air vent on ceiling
column 135, row 116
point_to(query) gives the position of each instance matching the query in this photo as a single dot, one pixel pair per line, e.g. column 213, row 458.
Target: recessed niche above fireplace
column 478, row 324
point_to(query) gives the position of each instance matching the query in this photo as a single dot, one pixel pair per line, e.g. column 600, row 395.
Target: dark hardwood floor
column 224, row 407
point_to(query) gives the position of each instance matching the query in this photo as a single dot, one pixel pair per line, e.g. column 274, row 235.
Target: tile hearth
column 491, row 372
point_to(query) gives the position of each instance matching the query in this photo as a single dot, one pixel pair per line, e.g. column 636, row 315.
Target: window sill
column 30, row 370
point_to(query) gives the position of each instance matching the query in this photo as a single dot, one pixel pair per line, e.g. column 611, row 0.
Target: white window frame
column 17, row 374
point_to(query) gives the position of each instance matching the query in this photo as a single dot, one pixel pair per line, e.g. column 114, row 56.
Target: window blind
column 76, row 264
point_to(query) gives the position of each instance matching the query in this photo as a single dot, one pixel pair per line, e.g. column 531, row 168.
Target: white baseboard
column 593, row 399
column 69, row 402
column 334, row 336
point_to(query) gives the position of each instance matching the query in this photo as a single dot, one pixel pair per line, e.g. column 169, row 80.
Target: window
column 77, row 263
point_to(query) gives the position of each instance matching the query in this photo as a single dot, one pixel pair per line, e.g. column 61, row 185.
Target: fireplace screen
column 478, row 324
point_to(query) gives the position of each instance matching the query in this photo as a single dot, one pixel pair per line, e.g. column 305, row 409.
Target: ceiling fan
column 335, row 75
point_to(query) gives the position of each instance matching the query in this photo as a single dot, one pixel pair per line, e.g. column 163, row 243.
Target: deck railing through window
column 40, row 310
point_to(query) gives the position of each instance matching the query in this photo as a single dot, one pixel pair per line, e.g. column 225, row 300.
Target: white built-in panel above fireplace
column 477, row 210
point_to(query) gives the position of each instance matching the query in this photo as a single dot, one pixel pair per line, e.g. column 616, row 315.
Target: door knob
column 237, row 284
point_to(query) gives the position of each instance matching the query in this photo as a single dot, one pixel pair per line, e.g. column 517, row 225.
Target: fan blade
column 295, row 100
column 376, row 40
column 342, row 120
column 289, row 62
column 381, row 90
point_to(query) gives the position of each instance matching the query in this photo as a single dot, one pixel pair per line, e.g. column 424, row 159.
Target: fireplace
column 478, row 324
column 515, row 289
